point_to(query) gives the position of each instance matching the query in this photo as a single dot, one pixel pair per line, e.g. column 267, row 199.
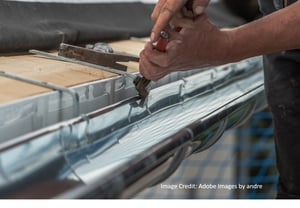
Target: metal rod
column 71, row 92
column 61, row 58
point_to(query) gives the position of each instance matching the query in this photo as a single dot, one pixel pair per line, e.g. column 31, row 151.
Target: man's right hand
column 165, row 10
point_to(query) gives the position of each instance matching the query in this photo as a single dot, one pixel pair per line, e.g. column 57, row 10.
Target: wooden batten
column 54, row 71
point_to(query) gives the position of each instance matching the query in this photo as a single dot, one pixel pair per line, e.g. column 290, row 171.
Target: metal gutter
column 122, row 148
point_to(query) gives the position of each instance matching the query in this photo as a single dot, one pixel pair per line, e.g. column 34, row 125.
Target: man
column 276, row 36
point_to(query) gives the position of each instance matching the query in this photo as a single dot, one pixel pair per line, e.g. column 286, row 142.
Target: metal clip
column 71, row 92
column 86, row 120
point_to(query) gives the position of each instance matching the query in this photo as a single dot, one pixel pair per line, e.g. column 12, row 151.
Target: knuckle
column 165, row 63
column 153, row 16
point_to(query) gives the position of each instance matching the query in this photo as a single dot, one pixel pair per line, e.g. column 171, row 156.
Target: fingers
column 148, row 69
column 163, row 59
column 162, row 14
column 154, row 64
column 179, row 21
column 165, row 11
column 154, row 67
column 199, row 6
column 157, row 10
column 185, row 49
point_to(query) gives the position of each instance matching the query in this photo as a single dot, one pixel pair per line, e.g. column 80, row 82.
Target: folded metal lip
column 91, row 145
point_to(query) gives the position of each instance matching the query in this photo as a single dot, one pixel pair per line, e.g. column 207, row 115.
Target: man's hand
column 199, row 45
column 166, row 10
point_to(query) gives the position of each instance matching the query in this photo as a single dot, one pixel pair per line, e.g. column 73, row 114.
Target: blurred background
column 244, row 156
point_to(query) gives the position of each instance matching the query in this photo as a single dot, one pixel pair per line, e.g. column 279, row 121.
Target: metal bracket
column 51, row 86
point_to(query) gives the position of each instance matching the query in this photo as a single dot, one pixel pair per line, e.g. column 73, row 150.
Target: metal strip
column 51, row 86
column 61, row 58
column 95, row 154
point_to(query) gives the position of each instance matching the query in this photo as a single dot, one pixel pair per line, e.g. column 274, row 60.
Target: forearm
column 203, row 44
column 276, row 32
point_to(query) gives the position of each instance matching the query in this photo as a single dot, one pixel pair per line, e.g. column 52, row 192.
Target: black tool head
column 141, row 85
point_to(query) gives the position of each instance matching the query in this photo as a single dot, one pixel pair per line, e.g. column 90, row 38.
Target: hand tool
column 162, row 41
column 109, row 60
column 103, row 57
column 106, row 61
column 101, row 54
column 164, row 36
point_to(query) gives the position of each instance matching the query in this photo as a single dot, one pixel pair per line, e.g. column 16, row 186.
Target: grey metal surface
column 118, row 150
column 30, row 114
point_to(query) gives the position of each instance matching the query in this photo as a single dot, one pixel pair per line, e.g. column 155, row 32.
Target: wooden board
column 53, row 71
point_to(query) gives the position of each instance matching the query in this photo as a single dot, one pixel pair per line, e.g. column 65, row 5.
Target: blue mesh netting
column 241, row 165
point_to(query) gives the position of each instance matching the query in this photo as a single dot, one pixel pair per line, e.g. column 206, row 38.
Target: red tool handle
column 164, row 36
column 162, row 41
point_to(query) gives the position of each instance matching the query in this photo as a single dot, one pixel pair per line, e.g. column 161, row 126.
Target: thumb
column 199, row 6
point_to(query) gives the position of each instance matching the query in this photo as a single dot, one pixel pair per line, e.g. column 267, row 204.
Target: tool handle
column 141, row 83
column 162, row 41
column 164, row 37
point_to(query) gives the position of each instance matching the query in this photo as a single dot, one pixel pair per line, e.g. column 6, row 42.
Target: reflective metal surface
column 30, row 114
column 122, row 148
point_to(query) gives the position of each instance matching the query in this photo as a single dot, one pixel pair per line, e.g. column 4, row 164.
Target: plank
column 53, row 71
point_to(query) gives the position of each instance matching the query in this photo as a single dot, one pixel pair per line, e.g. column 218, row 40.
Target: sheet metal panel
column 122, row 148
